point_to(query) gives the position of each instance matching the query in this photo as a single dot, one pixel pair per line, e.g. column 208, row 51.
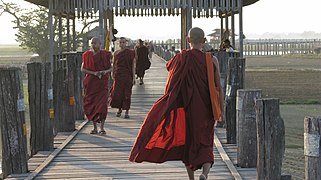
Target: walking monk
column 96, row 64
column 124, row 78
column 180, row 125
column 143, row 62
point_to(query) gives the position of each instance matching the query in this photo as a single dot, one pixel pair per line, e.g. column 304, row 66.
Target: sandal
column 202, row 177
column 126, row 116
column 102, row 132
column 118, row 114
column 94, row 131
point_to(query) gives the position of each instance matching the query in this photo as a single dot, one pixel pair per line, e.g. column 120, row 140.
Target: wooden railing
column 259, row 47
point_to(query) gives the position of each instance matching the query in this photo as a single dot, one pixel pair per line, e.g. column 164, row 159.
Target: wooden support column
column 240, row 5
column 101, row 24
column 227, row 30
column 60, row 34
column 68, row 33
column 74, row 38
column 12, row 122
column 233, row 24
column 312, row 148
column 270, row 139
column 246, row 126
column 186, row 25
column 235, row 81
column 41, row 125
column 51, row 40
column 222, row 28
column 110, row 17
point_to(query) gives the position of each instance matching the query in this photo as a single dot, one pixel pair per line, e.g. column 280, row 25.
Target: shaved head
column 196, row 35
column 95, row 43
column 96, row 39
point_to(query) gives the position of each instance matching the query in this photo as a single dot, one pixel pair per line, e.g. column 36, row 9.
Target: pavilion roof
column 88, row 8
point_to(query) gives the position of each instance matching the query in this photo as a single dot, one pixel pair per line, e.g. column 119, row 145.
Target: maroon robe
column 123, row 79
column 143, row 62
column 180, row 125
column 96, row 90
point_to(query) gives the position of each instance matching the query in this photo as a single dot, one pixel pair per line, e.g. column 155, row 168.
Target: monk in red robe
column 96, row 64
column 180, row 125
column 124, row 78
column 143, row 62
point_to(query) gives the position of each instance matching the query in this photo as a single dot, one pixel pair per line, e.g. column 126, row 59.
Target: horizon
column 163, row 28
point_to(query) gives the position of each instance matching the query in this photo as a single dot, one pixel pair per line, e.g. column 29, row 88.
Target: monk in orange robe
column 180, row 125
column 96, row 64
column 124, row 78
column 143, row 62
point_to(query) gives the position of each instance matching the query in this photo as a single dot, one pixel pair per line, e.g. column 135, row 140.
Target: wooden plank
column 55, row 153
column 226, row 159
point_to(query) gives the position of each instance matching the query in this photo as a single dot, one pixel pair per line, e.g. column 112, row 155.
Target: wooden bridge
column 81, row 155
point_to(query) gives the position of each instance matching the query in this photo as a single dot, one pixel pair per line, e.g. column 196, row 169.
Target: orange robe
column 123, row 79
column 143, row 62
column 96, row 90
column 180, row 125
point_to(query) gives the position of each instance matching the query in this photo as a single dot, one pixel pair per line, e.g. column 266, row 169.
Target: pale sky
column 277, row 16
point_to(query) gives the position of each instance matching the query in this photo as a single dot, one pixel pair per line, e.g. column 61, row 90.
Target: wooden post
column 235, row 81
column 186, row 25
column 312, row 150
column 74, row 38
column 74, row 63
column 270, row 139
column 12, row 122
column 41, row 136
column 63, row 99
column 60, row 34
column 246, row 127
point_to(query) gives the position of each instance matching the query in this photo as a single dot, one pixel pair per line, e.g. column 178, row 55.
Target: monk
column 180, row 125
column 124, row 77
column 143, row 62
column 96, row 64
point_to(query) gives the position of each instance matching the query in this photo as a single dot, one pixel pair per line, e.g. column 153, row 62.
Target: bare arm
column 95, row 73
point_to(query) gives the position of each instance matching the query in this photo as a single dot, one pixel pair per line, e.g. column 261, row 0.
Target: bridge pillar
column 186, row 25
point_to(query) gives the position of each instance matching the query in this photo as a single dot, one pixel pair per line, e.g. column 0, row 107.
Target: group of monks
column 180, row 125
column 97, row 67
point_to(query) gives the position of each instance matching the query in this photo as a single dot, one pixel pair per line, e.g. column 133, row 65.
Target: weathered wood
column 312, row 150
column 75, row 83
column 235, row 81
column 226, row 159
column 78, row 87
column 270, row 139
column 286, row 177
column 12, row 120
column 41, row 127
column 64, row 99
column 246, row 126
column 55, row 153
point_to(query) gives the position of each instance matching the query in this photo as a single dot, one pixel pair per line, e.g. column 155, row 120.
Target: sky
column 274, row 16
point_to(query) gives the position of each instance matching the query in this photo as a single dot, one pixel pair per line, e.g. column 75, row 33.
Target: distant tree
column 32, row 25
column 33, row 28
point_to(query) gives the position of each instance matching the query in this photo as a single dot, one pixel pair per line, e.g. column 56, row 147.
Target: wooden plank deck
column 89, row 156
